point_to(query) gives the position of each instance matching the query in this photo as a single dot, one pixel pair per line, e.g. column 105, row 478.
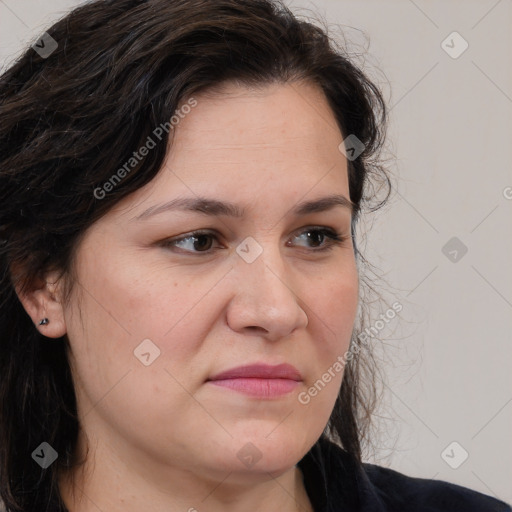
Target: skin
column 160, row 437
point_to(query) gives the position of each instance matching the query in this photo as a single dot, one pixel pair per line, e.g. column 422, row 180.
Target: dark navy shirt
column 335, row 482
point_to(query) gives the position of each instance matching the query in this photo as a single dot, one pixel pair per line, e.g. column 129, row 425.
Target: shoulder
column 398, row 492
column 337, row 482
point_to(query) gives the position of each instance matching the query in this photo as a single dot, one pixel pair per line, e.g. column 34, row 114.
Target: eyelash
column 335, row 239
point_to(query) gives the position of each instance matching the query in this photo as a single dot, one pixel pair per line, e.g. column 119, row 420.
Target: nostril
column 255, row 328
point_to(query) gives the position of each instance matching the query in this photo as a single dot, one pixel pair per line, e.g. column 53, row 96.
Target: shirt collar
column 335, row 481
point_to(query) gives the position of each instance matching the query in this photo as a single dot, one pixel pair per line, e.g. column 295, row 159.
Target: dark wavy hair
column 71, row 119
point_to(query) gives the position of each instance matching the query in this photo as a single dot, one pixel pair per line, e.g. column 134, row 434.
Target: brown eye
column 316, row 237
column 196, row 242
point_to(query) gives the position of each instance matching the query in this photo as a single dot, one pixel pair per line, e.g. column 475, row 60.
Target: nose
column 265, row 302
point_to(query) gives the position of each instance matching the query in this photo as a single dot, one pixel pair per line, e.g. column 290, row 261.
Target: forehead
column 274, row 128
column 271, row 115
column 240, row 142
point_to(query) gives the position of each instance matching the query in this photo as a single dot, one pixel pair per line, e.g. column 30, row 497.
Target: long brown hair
column 70, row 118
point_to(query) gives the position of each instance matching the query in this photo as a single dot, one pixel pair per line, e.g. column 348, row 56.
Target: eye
column 197, row 242
column 322, row 239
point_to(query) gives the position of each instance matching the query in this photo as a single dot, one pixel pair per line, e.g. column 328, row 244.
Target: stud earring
column 44, row 321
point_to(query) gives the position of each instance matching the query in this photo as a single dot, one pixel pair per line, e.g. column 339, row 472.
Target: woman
column 181, row 182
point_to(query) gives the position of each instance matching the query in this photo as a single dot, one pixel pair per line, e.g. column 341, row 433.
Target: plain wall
column 447, row 354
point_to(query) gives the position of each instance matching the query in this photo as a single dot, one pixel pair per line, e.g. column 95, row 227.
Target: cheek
column 174, row 311
column 116, row 320
column 321, row 390
column 335, row 306
column 129, row 296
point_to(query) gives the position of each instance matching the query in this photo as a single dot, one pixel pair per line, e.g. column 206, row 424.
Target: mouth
column 262, row 388
column 259, row 380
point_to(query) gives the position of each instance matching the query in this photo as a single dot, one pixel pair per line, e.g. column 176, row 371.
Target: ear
column 44, row 300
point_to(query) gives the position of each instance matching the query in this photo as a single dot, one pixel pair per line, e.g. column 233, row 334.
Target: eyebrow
column 214, row 207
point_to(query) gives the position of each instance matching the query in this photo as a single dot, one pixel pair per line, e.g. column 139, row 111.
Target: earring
column 44, row 321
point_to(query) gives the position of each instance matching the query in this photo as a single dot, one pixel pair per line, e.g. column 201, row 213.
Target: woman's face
column 250, row 289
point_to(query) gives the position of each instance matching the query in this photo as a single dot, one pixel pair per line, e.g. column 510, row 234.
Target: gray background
column 447, row 354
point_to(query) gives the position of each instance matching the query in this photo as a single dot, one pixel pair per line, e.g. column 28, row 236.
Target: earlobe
column 43, row 305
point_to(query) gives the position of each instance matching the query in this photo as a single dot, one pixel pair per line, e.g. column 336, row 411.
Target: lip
column 259, row 380
column 260, row 371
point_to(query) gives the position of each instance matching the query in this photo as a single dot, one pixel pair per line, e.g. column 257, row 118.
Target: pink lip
column 259, row 379
column 260, row 371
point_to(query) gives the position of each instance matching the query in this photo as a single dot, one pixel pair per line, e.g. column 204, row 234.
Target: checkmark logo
column 45, row 45
column 249, row 455
column 454, row 455
column 45, row 455
column 454, row 45
column 454, row 249
column 249, row 249
column 351, row 147
column 146, row 352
